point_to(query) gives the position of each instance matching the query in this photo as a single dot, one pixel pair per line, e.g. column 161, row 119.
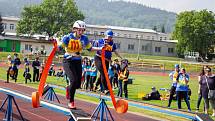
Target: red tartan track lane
column 42, row 114
column 31, row 114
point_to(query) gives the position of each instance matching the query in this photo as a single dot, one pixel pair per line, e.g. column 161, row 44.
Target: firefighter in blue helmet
column 109, row 43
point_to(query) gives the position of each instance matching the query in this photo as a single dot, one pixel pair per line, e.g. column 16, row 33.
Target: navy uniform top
column 101, row 43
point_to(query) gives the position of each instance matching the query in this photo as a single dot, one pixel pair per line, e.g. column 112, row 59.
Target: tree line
column 194, row 30
column 103, row 12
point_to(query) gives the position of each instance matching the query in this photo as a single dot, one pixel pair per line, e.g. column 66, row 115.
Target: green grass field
column 141, row 85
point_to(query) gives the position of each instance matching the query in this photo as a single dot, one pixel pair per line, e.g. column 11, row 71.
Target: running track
column 41, row 114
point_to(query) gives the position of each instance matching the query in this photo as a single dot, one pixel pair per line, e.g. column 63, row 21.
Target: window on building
column 158, row 49
column 170, row 50
column 95, row 32
column 165, row 38
column 14, row 46
column 118, row 34
column 28, row 47
column 87, row 32
column 125, row 35
column 129, row 36
column 160, row 38
column 142, row 36
column 11, row 26
column 153, row 38
column 5, row 25
column 144, row 48
column 148, row 37
column 130, row 46
column 137, row 36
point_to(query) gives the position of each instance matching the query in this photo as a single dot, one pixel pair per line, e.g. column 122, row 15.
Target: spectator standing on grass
column 93, row 75
column 41, row 70
column 123, row 77
column 9, row 70
column 16, row 65
column 207, row 82
column 31, row 49
column 111, row 74
column 173, row 76
column 182, row 88
column 116, row 73
column 87, row 73
column 199, row 90
column 27, row 74
column 36, row 69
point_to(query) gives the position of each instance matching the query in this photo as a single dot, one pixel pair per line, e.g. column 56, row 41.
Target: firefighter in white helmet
column 73, row 44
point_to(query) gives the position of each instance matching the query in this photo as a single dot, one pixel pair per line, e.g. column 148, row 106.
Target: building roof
column 24, row 39
column 10, row 34
column 122, row 28
column 173, row 41
column 12, row 18
column 100, row 26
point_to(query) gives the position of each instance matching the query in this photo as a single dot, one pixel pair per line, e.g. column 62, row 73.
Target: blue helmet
column 109, row 33
column 177, row 66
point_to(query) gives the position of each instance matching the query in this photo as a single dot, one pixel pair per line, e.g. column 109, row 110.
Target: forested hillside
column 103, row 12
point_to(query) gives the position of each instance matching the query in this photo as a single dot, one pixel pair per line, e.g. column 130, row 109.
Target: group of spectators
column 41, row 51
column 206, row 84
column 13, row 68
column 180, row 87
column 91, row 78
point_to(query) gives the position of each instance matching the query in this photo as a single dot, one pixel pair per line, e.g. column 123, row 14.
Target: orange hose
column 46, row 70
column 121, row 106
column 37, row 95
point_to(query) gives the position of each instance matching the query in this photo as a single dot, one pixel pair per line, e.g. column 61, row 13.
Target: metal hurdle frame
column 48, row 105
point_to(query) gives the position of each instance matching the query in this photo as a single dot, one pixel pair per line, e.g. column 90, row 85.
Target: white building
column 128, row 40
column 135, row 40
column 10, row 24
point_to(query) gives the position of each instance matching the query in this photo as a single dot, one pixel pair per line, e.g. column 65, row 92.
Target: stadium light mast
column 138, row 51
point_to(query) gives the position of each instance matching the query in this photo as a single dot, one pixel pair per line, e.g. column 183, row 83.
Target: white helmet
column 9, row 56
column 79, row 24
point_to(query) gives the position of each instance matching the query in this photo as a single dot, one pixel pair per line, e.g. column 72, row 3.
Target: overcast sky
column 179, row 5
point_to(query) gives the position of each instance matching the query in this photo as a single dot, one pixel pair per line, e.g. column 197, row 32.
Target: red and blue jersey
column 101, row 43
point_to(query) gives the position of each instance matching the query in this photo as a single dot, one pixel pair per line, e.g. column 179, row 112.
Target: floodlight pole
column 138, row 51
